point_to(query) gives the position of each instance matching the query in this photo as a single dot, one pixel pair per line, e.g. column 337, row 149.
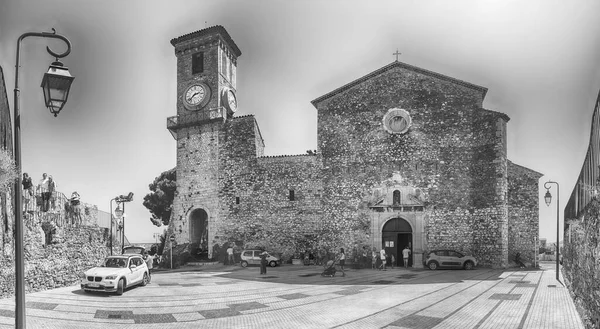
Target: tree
column 8, row 170
column 160, row 201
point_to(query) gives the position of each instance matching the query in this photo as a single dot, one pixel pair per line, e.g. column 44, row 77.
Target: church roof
column 217, row 29
column 404, row 66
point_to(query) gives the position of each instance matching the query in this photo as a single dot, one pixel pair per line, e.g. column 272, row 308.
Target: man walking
column 406, row 255
column 149, row 263
column 230, row 255
column 382, row 256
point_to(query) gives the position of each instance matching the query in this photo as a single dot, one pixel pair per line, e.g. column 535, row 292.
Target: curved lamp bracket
column 58, row 36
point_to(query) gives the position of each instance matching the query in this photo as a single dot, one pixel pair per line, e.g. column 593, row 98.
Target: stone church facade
column 408, row 153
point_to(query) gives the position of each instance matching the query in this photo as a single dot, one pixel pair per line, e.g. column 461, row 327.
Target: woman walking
column 342, row 260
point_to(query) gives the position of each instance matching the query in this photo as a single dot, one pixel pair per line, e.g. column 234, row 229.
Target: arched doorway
column 199, row 232
column 397, row 234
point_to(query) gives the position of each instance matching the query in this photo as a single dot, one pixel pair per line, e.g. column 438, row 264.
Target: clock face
column 229, row 100
column 196, row 96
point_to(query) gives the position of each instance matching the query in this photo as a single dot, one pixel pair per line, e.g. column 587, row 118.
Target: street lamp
column 120, row 213
column 119, row 216
column 548, row 200
column 56, row 84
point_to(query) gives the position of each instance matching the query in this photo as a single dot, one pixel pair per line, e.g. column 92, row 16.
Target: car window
column 247, row 253
column 115, row 262
column 442, row 253
column 453, row 254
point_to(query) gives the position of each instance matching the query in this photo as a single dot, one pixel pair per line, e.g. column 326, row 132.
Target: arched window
column 396, row 197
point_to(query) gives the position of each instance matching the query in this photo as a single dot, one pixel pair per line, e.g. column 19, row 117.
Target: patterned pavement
column 298, row 297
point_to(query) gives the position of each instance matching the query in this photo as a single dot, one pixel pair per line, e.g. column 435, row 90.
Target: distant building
column 409, row 152
column 543, row 243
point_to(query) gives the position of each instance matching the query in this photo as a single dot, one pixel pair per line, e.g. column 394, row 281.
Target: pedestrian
column 230, row 255
column 263, row 262
column 342, row 261
column 365, row 260
column 27, row 190
column 149, row 259
column 393, row 260
column 75, row 208
column 383, row 255
column 374, row 259
column 52, row 192
column 519, row 261
column 406, row 256
column 43, row 188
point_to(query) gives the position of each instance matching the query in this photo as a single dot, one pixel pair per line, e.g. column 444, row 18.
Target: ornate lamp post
column 120, row 213
column 56, row 85
column 119, row 216
column 548, row 199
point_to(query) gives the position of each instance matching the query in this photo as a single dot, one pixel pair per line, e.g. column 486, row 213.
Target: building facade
column 581, row 250
column 405, row 157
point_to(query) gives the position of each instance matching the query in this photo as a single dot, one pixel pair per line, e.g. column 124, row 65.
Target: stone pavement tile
column 247, row 306
column 552, row 307
column 414, row 321
column 445, row 307
column 470, row 314
column 192, row 316
column 293, row 296
column 41, row 305
column 219, row 313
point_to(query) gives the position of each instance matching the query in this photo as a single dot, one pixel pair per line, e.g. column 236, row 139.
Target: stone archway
column 396, row 234
column 198, row 221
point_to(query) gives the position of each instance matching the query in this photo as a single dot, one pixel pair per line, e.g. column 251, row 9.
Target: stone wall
column 72, row 250
column 523, row 212
column 581, row 262
column 455, row 152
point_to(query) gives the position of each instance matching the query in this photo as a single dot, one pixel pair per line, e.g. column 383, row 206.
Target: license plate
column 93, row 285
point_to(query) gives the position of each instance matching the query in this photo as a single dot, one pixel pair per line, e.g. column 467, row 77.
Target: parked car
column 116, row 274
column 448, row 259
column 137, row 250
column 253, row 257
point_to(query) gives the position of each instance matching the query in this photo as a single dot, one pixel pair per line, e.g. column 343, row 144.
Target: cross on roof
column 397, row 54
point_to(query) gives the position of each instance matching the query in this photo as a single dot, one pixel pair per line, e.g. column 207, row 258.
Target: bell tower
column 206, row 99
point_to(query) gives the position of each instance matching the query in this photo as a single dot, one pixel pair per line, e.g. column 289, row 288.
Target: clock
column 229, row 100
column 396, row 121
column 196, row 96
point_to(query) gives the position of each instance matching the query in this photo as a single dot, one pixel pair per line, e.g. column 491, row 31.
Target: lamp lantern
column 548, row 198
column 56, row 85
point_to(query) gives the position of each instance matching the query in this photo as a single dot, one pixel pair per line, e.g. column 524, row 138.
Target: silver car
column 449, row 259
column 252, row 257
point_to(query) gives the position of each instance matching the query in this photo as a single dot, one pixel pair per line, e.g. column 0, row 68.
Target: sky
column 538, row 59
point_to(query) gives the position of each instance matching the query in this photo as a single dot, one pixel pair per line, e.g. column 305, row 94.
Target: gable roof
column 217, row 29
column 393, row 65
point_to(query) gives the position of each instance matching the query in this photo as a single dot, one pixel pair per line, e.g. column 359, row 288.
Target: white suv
column 116, row 274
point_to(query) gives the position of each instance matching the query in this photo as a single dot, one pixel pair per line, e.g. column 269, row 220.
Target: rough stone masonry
column 405, row 157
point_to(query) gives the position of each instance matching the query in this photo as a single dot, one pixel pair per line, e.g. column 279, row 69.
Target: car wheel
column 244, row 263
column 468, row 265
column 273, row 263
column 433, row 266
column 120, row 287
column 145, row 279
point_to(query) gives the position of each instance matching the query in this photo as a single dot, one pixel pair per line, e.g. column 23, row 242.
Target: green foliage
column 8, row 170
column 160, row 200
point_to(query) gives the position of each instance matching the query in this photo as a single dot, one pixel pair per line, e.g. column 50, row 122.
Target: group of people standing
column 380, row 259
column 46, row 189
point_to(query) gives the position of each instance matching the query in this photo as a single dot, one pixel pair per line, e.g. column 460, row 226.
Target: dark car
column 448, row 259
column 133, row 250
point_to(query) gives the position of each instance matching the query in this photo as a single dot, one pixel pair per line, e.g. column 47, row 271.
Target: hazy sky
column 538, row 58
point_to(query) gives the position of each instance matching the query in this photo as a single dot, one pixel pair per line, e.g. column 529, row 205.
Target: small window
column 197, row 63
column 292, row 197
column 237, row 200
column 396, row 196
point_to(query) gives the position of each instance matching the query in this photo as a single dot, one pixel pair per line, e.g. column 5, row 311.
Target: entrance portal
column 397, row 234
column 199, row 233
